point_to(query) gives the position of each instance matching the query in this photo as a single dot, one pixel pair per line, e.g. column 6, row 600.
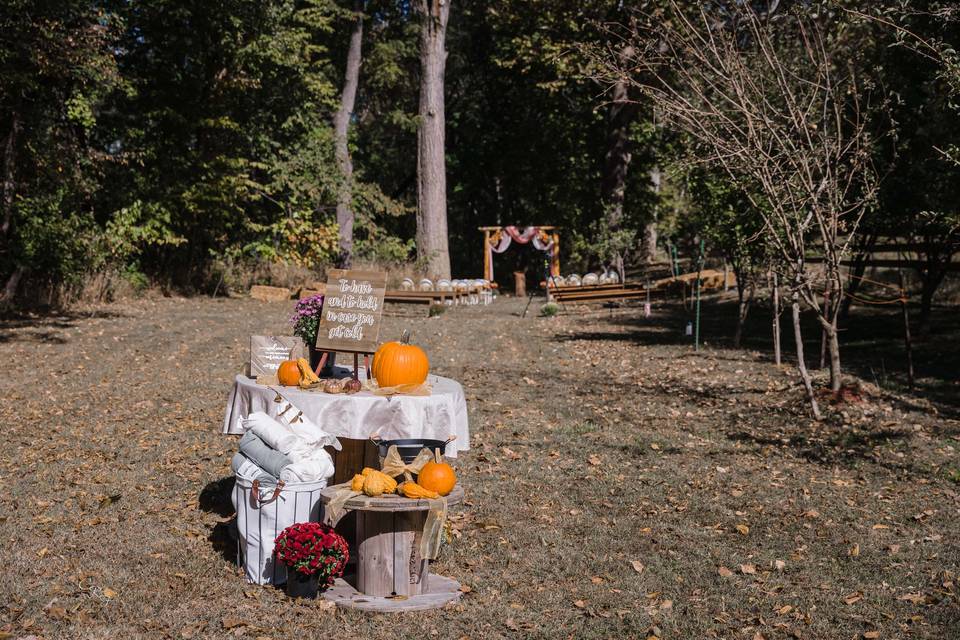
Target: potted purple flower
column 306, row 321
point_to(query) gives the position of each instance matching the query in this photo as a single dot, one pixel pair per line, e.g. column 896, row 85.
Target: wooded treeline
column 179, row 143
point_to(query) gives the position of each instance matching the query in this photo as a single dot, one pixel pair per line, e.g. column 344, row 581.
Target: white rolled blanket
column 277, row 436
column 311, row 462
column 309, row 470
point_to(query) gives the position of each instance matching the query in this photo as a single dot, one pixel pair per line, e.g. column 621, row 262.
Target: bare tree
column 341, row 128
column 765, row 100
column 432, row 240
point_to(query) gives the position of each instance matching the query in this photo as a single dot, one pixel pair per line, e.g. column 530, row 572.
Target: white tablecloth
column 438, row 416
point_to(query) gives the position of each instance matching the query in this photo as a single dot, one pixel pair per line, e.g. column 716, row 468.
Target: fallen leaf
column 57, row 613
column 742, row 529
column 637, row 566
column 723, row 571
column 512, row 625
column 880, row 526
column 666, row 604
column 894, row 548
column 856, row 596
column 579, row 604
column 915, row 598
column 871, row 635
column 784, row 610
column 42, row 552
column 854, row 551
column 230, row 622
column 779, row 565
column 109, row 593
column 748, row 569
column 596, row 580
column 465, row 588
column 594, row 459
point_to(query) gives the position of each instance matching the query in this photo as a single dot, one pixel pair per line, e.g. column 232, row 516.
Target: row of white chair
column 478, row 290
column 588, row 279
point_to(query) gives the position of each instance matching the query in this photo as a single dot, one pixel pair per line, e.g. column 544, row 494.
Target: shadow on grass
column 871, row 342
column 215, row 498
column 43, row 327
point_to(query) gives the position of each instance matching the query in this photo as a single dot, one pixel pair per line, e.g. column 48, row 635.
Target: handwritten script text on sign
column 351, row 295
column 351, row 310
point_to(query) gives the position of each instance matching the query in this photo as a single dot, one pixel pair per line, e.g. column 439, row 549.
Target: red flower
column 313, row 548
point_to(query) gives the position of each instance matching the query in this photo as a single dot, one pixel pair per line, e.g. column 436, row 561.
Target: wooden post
column 555, row 258
column 907, row 343
column 487, row 258
column 776, row 319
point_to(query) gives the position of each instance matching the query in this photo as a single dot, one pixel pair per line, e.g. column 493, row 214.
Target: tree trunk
column 833, row 349
column 930, row 277
column 616, row 161
column 9, row 173
column 776, row 320
column 341, row 128
column 648, row 241
column 10, row 289
column 801, row 362
column 432, row 240
column 745, row 292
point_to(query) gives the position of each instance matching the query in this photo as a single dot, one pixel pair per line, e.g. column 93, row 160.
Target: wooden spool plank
column 375, row 553
column 389, row 502
column 442, row 592
column 411, row 571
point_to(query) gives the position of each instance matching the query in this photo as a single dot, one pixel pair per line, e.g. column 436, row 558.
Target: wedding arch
column 499, row 239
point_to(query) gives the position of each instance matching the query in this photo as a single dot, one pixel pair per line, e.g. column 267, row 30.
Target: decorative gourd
column 307, row 376
column 357, row 483
column 414, row 490
column 397, row 363
column 288, row 374
column 437, row 476
column 377, row 482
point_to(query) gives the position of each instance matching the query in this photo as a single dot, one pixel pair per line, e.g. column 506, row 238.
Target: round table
column 391, row 575
column 357, row 416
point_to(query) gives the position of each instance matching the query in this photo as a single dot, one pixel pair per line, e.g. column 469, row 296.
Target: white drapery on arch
column 501, row 240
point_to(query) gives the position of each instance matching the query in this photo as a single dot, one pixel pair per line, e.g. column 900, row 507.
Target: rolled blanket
column 275, row 435
column 311, row 433
column 244, row 466
column 317, row 467
column 267, row 458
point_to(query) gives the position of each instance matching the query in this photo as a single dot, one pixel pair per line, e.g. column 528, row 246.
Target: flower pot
column 300, row 585
column 316, row 354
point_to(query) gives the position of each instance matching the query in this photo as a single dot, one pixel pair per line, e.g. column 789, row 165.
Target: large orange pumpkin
column 397, row 363
column 289, row 373
column 437, row 476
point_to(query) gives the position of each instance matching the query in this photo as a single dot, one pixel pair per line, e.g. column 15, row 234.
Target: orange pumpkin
column 437, row 476
column 289, row 373
column 397, row 363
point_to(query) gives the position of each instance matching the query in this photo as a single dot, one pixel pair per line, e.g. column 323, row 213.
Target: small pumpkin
column 437, row 476
column 289, row 373
column 397, row 363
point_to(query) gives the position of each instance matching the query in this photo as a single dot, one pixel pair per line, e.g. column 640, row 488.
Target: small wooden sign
column 267, row 352
column 352, row 307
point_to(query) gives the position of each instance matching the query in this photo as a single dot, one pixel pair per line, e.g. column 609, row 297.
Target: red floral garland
column 312, row 548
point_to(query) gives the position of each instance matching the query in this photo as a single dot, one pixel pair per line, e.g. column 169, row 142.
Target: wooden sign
column 267, row 352
column 352, row 306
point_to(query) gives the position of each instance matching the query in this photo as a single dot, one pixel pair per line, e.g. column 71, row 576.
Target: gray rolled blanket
column 267, row 458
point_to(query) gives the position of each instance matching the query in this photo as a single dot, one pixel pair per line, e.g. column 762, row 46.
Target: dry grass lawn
column 619, row 485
